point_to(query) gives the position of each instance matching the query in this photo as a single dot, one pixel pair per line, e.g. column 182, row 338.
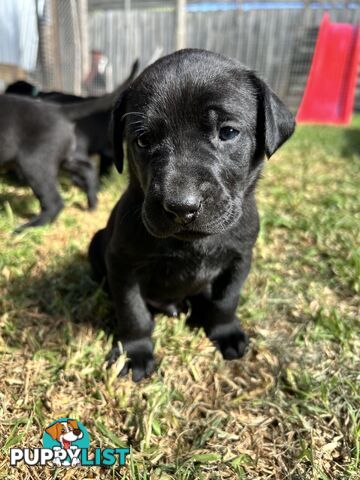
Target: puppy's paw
column 230, row 340
column 140, row 358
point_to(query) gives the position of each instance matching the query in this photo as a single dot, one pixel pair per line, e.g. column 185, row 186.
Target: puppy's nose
column 183, row 210
column 77, row 431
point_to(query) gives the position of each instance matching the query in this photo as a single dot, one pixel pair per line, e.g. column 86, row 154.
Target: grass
column 289, row 410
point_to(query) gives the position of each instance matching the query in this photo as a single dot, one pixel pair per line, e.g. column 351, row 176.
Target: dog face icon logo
column 66, row 443
column 66, row 434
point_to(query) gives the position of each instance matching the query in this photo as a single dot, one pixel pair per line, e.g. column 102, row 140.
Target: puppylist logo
column 66, row 443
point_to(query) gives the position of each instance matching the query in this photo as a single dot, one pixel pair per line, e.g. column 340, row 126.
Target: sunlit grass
column 289, row 409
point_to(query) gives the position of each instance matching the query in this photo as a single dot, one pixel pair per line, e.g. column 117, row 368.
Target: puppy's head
column 68, row 430
column 197, row 127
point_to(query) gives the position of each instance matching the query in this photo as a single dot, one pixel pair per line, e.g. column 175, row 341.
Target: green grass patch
column 289, row 409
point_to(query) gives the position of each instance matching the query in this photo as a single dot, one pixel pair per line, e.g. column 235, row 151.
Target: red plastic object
column 330, row 89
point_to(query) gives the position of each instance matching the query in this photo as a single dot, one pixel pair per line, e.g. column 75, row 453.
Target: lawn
column 290, row 409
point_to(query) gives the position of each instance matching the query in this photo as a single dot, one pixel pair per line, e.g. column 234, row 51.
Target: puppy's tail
column 78, row 110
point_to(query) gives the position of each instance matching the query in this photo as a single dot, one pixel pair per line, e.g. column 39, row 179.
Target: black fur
column 38, row 137
column 91, row 130
column 197, row 127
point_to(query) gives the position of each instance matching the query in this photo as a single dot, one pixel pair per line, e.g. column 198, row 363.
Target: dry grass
column 288, row 410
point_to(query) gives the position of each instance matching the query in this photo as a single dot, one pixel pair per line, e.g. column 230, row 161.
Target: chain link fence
column 88, row 46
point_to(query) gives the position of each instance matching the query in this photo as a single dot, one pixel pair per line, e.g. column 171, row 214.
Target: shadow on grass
column 352, row 142
column 21, row 205
column 26, row 205
column 12, row 178
column 63, row 293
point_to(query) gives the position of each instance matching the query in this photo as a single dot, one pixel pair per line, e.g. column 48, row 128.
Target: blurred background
column 87, row 46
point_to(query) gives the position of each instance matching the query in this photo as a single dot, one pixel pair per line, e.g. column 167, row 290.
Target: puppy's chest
column 177, row 276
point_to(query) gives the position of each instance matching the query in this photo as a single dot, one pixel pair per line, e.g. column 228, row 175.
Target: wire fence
column 89, row 46
column 275, row 38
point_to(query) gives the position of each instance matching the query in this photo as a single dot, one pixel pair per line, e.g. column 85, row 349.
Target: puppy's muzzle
column 182, row 210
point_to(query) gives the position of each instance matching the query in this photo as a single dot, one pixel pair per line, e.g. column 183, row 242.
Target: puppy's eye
column 143, row 141
column 228, row 133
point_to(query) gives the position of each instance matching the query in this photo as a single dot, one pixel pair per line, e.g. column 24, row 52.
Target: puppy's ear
column 54, row 431
column 274, row 119
column 117, row 131
column 73, row 423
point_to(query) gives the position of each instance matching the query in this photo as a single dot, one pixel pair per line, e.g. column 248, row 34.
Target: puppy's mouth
column 160, row 227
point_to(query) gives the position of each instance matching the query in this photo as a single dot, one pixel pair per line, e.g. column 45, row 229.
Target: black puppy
column 92, row 130
column 39, row 137
column 197, row 127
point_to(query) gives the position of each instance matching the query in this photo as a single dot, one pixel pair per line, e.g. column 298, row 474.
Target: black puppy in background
column 197, row 127
column 37, row 138
column 92, row 130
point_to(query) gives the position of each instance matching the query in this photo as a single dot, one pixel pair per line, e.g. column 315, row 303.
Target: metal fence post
column 180, row 24
column 84, row 38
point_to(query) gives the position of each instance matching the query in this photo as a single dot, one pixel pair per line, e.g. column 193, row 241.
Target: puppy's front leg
column 134, row 325
column 215, row 310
